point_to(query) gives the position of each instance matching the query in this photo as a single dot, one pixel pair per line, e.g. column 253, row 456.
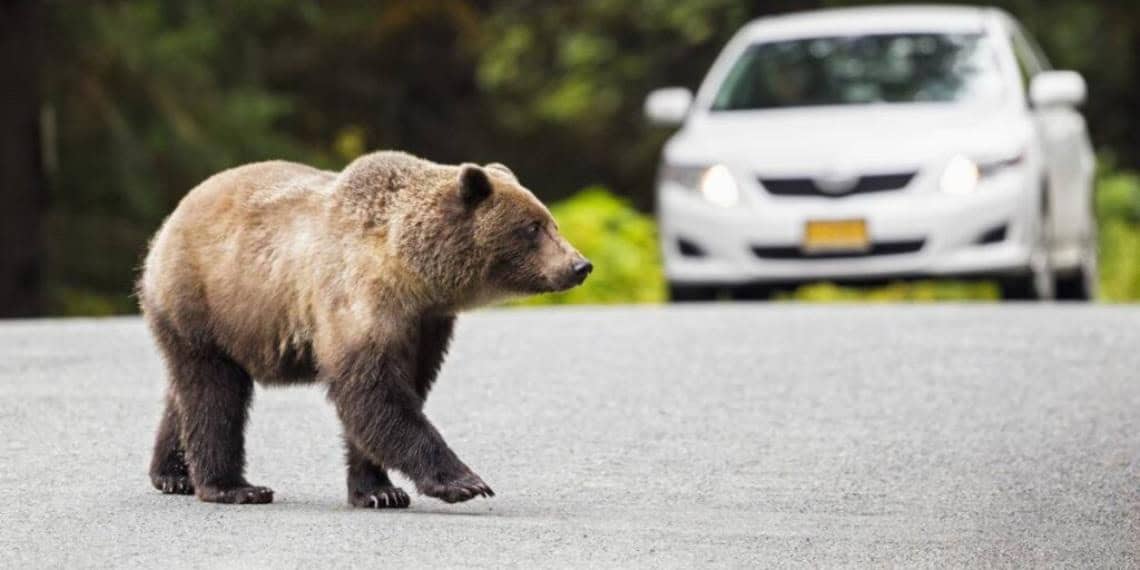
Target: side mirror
column 1055, row 88
column 668, row 106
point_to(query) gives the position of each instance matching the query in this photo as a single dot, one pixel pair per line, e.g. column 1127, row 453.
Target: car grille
column 880, row 248
column 808, row 187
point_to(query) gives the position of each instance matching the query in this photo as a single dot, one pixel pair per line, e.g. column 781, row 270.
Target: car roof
column 869, row 20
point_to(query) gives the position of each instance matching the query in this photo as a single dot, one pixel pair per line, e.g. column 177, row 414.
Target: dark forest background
column 112, row 110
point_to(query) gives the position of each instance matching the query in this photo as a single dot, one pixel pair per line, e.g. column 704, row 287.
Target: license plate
column 836, row 235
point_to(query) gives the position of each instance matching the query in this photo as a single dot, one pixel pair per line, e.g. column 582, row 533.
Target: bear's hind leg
column 168, row 470
column 368, row 483
column 213, row 395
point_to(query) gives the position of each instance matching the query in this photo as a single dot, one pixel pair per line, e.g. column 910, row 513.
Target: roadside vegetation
column 1118, row 211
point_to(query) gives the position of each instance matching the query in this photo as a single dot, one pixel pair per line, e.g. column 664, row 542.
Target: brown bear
column 282, row 273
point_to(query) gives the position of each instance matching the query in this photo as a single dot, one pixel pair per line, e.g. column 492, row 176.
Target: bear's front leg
column 375, row 396
column 368, row 483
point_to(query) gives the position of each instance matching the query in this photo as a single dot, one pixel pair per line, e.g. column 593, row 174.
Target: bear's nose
column 583, row 268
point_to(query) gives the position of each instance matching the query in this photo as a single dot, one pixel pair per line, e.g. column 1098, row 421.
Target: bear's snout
column 578, row 271
column 582, row 268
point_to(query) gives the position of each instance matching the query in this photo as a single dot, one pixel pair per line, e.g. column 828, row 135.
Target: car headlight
column 715, row 183
column 961, row 176
column 719, row 187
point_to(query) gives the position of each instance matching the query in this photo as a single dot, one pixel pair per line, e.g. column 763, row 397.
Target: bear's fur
column 282, row 273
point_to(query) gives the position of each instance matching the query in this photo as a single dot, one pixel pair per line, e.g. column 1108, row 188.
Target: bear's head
column 495, row 240
column 517, row 238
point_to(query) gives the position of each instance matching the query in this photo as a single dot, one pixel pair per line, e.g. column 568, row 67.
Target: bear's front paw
column 173, row 484
column 381, row 498
column 457, row 489
column 238, row 494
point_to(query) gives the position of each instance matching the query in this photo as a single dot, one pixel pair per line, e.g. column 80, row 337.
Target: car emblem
column 836, row 183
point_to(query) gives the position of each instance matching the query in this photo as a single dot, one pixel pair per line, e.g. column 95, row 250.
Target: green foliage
column 621, row 243
column 71, row 301
column 1118, row 197
column 1118, row 210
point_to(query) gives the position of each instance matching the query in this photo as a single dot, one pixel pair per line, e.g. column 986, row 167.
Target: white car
column 872, row 144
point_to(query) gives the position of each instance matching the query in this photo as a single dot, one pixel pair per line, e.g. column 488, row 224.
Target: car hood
column 884, row 138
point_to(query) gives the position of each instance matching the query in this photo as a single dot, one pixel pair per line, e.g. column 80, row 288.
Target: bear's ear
column 502, row 169
column 474, row 186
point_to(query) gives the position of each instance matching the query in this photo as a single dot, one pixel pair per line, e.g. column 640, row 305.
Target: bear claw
column 382, row 498
column 173, row 484
column 462, row 489
column 246, row 494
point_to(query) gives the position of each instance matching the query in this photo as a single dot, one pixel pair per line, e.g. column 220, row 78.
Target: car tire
column 691, row 293
column 1034, row 285
column 1018, row 288
column 1080, row 285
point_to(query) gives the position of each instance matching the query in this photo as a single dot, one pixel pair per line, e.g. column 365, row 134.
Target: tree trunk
column 21, row 171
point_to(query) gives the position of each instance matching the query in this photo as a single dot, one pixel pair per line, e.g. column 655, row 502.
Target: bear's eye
column 531, row 230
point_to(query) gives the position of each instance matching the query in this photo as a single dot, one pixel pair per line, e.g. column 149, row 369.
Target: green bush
column 1118, row 211
column 622, row 244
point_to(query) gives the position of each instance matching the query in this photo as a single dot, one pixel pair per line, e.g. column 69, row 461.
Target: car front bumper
column 944, row 235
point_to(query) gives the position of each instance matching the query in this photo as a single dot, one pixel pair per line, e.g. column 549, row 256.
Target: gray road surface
column 723, row 435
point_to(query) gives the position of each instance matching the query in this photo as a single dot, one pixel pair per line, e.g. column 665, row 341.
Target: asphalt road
column 724, row 435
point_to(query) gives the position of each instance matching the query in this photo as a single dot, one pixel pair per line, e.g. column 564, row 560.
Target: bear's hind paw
column 382, row 498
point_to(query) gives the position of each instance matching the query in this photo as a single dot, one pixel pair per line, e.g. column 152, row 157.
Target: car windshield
column 852, row 70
